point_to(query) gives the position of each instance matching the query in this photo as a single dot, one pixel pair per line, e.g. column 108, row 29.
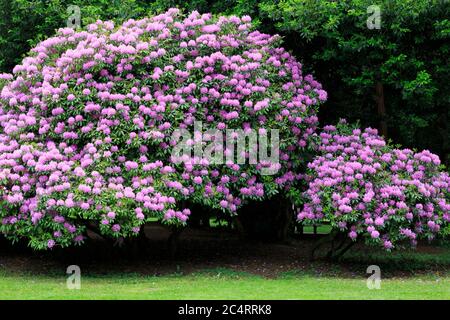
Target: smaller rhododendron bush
column 368, row 190
column 87, row 123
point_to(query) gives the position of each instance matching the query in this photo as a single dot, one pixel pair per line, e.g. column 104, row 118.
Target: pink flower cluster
column 366, row 188
column 86, row 123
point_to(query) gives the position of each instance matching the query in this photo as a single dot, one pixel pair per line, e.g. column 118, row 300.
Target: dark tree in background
column 396, row 78
column 23, row 23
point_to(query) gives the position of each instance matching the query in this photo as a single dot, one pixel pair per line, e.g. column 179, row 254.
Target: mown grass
column 404, row 275
column 221, row 284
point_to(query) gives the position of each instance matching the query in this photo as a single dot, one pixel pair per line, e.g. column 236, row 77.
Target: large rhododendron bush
column 368, row 189
column 87, row 121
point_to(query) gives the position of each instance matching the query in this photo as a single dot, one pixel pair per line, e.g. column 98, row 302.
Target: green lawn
column 221, row 284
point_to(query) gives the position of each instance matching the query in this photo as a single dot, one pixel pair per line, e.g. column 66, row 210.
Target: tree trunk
column 328, row 239
column 340, row 253
column 137, row 246
column 381, row 108
column 4, row 245
column 285, row 217
column 173, row 242
column 444, row 132
column 338, row 244
column 239, row 227
column 300, row 229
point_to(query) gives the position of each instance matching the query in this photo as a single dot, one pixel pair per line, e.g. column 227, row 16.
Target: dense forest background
column 385, row 66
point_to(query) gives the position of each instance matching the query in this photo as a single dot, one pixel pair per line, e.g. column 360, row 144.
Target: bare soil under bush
column 203, row 249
